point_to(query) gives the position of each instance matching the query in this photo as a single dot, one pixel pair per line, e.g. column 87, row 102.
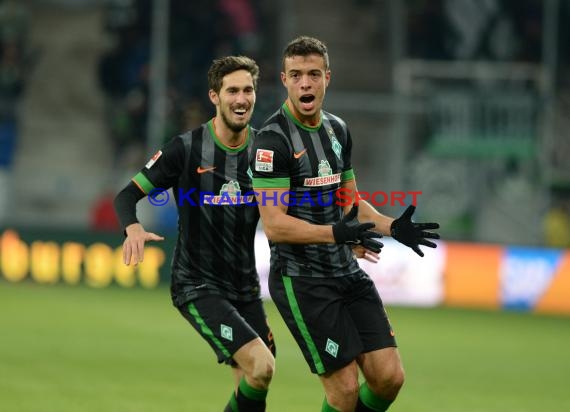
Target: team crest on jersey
column 264, row 160
column 230, row 194
column 231, row 188
column 153, row 159
column 325, row 168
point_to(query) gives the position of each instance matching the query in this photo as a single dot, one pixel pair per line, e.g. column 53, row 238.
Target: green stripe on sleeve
column 347, row 175
column 142, row 182
column 271, row 183
column 206, row 330
column 287, row 281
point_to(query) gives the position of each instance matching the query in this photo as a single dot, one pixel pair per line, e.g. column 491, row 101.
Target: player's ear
column 327, row 78
column 214, row 98
column 283, row 78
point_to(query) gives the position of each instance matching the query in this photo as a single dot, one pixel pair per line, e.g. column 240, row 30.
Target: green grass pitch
column 79, row 349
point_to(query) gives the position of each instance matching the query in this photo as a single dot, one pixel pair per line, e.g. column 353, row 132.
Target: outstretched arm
column 403, row 229
column 136, row 235
column 367, row 213
column 283, row 228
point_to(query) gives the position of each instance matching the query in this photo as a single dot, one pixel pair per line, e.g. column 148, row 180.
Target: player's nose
column 241, row 97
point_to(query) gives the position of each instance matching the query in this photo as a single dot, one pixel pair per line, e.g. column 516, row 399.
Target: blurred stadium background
column 466, row 101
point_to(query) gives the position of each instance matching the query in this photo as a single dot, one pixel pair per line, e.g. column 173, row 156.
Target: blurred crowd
column 199, row 31
column 492, row 30
column 14, row 65
column 501, row 31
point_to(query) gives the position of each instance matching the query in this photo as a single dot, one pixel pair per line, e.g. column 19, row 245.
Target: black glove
column 412, row 234
column 350, row 231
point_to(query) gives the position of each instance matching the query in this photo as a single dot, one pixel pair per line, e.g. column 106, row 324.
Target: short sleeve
column 270, row 161
column 164, row 167
column 347, row 171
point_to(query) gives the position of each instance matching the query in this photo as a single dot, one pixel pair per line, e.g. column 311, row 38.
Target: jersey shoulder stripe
column 335, row 119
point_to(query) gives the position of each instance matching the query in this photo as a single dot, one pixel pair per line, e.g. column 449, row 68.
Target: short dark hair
column 223, row 66
column 305, row 46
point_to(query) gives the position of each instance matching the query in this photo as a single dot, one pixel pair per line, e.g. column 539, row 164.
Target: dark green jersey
column 312, row 163
column 216, row 221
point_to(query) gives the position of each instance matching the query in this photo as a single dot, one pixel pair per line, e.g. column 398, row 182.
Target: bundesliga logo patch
column 264, row 160
column 153, row 159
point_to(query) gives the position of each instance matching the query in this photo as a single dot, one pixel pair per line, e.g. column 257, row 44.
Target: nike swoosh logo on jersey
column 201, row 170
column 298, row 155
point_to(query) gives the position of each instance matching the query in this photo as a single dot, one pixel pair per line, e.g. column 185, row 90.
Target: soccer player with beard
column 303, row 154
column 214, row 282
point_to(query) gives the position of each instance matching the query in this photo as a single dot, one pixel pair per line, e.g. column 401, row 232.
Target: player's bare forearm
column 367, row 213
column 133, row 229
column 282, row 228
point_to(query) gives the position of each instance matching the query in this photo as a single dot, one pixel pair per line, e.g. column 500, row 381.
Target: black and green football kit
column 213, row 261
column 330, row 305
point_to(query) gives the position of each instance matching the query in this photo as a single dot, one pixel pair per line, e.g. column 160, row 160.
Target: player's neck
column 227, row 136
column 310, row 121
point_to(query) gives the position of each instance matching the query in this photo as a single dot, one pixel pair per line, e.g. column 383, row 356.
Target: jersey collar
column 298, row 123
column 226, row 147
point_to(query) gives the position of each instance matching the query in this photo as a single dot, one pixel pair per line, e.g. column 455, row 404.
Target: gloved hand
column 350, row 231
column 413, row 234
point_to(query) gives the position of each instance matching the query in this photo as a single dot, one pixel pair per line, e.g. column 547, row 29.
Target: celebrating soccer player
column 214, row 282
column 330, row 305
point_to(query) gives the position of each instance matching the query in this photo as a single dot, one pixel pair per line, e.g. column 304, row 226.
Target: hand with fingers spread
column 412, row 234
column 133, row 246
column 350, row 231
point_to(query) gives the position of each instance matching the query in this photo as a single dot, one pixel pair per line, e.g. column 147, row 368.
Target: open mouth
column 307, row 102
column 241, row 111
column 307, row 98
